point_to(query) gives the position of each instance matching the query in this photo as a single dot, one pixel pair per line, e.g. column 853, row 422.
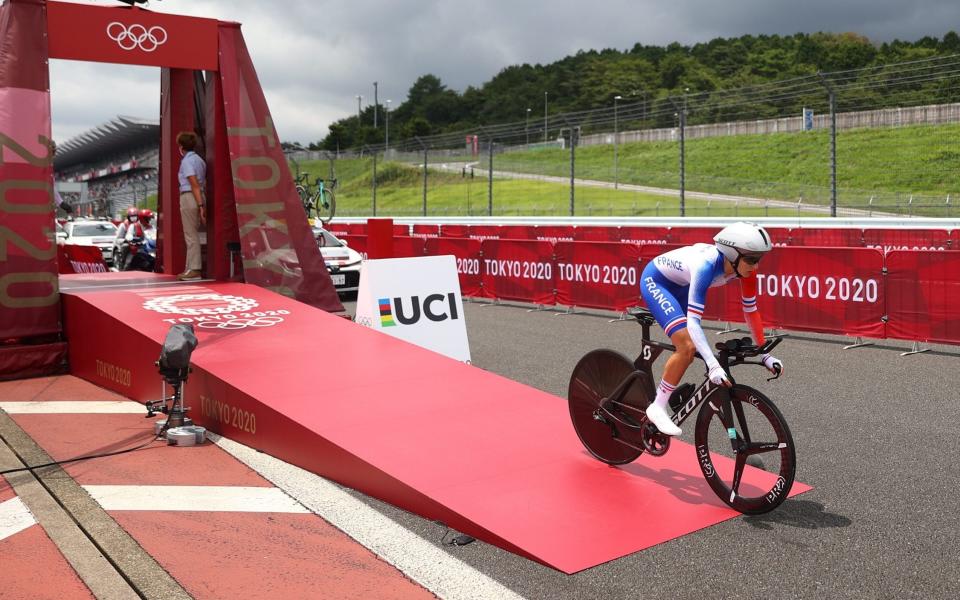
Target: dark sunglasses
column 751, row 259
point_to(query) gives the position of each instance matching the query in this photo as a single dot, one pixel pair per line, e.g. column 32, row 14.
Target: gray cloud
column 314, row 57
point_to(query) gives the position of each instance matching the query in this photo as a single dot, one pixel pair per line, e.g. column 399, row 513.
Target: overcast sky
column 314, row 57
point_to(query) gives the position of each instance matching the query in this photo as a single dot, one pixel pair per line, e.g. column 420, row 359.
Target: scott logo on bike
column 417, row 308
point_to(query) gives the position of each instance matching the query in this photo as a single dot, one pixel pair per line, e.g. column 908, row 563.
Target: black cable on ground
column 460, row 540
column 92, row 456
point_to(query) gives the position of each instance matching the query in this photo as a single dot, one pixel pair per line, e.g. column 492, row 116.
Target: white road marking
column 208, row 498
column 434, row 568
column 14, row 517
column 51, row 407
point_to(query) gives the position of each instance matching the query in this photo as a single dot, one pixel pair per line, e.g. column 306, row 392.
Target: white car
column 92, row 233
column 61, row 233
column 342, row 261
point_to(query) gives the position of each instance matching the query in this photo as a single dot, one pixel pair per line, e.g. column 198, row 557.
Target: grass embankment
column 890, row 165
column 400, row 193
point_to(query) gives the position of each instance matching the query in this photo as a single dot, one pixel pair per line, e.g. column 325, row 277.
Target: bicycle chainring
column 654, row 442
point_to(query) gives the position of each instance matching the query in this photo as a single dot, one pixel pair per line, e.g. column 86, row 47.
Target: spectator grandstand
column 104, row 171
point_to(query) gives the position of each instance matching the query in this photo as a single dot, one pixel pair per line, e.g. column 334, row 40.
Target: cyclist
column 674, row 286
column 130, row 227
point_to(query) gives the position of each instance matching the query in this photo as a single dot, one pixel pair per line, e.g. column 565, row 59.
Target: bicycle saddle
column 641, row 314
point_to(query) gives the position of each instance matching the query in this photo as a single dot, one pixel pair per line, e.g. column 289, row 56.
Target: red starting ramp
column 485, row 455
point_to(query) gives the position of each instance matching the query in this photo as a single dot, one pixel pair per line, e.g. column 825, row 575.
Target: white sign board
column 416, row 300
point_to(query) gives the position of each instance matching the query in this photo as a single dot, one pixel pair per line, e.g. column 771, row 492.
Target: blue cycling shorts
column 665, row 299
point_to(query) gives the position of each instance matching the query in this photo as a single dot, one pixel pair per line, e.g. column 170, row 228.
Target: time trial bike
column 608, row 396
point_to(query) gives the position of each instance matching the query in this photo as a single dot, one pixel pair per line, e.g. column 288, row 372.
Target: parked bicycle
column 322, row 202
column 608, row 395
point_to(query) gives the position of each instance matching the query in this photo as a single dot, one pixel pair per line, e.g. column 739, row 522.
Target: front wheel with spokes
column 760, row 464
column 609, row 428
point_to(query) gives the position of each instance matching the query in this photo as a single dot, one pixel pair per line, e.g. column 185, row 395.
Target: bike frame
column 650, row 351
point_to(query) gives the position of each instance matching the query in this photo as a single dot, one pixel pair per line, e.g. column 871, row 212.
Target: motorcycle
column 138, row 254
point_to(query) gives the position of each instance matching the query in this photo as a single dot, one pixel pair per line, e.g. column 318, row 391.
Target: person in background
column 129, row 228
column 57, row 198
column 146, row 220
column 193, row 180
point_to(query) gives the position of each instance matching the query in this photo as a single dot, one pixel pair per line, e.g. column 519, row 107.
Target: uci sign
column 417, row 300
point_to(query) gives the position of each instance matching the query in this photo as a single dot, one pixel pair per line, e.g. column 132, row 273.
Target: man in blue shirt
column 193, row 213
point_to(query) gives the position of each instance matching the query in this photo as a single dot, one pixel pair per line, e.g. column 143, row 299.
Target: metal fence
column 872, row 142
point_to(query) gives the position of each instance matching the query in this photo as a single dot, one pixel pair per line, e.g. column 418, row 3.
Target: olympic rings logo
column 137, row 36
column 200, row 304
column 232, row 324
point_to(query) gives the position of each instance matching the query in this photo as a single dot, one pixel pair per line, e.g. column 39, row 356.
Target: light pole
column 386, row 113
column 526, row 128
column 616, row 144
column 545, row 116
column 374, row 104
column 359, row 98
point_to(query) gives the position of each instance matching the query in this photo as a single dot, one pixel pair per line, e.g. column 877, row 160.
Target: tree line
column 652, row 75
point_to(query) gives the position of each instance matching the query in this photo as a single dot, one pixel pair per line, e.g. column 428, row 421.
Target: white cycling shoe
column 661, row 419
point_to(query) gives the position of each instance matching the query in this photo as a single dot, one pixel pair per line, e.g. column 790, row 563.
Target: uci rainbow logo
column 386, row 313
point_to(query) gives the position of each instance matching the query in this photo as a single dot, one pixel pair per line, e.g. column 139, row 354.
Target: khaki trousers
column 190, row 216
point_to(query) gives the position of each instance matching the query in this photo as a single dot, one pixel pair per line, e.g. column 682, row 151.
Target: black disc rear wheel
column 609, row 430
column 756, row 438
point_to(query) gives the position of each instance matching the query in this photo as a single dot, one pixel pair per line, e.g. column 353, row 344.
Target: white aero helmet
column 743, row 239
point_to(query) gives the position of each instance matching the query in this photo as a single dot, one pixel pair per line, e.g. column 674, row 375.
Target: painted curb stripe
column 434, row 568
column 73, row 407
column 206, row 498
column 14, row 517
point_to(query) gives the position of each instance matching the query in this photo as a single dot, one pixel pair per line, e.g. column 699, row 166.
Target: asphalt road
column 876, row 438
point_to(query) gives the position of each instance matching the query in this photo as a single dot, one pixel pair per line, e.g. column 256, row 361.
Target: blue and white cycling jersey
column 674, row 285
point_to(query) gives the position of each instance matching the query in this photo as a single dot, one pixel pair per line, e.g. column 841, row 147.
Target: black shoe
column 680, row 396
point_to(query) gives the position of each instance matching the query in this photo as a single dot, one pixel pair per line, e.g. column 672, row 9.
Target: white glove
column 718, row 376
column 772, row 364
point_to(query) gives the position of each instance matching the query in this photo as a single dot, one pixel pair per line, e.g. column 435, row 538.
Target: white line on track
column 14, row 517
column 433, row 568
column 207, row 498
column 52, row 407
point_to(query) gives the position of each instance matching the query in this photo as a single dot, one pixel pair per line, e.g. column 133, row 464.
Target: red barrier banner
column 401, row 230
column 426, row 231
column 922, row 292
column 454, row 231
column 598, row 274
column 779, row 236
column 644, row 235
column 687, row 236
column 955, row 239
column 80, row 259
column 485, row 232
column 29, row 286
column 357, row 228
column 829, row 290
column 827, row 237
column 554, row 233
column 337, row 229
column 407, row 246
column 649, row 252
column 518, row 270
column 887, row 240
column 518, row 232
column 469, row 263
column 596, row 233
column 357, row 242
column 131, row 36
